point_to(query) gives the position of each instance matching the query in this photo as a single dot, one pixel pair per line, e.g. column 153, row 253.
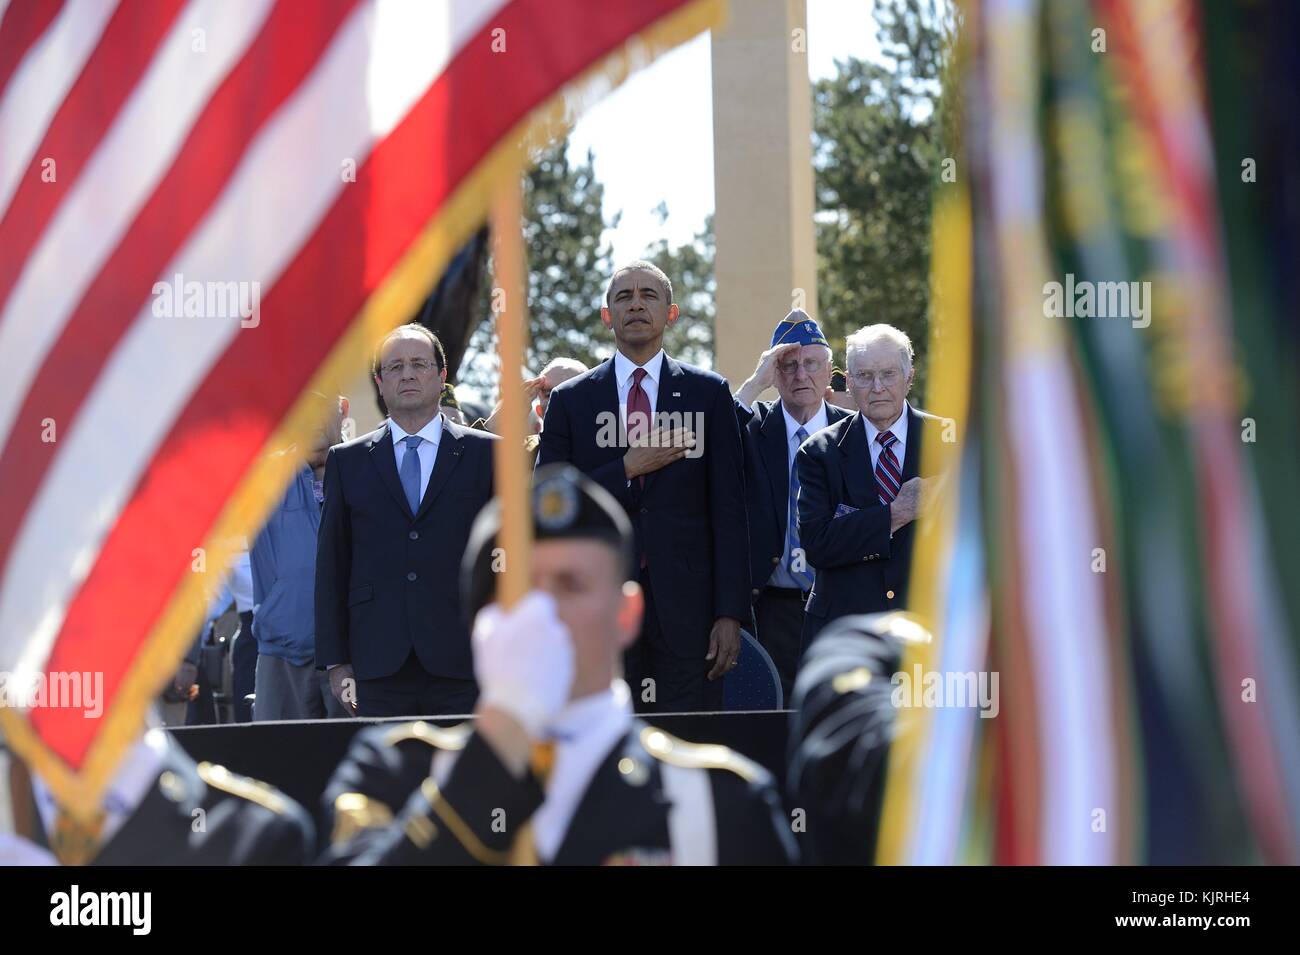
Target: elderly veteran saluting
column 798, row 364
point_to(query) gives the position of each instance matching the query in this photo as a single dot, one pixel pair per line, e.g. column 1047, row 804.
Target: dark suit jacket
column 690, row 517
column 859, row 569
column 387, row 581
column 767, row 482
column 621, row 818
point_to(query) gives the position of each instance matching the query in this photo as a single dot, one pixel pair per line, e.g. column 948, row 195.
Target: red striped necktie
column 889, row 476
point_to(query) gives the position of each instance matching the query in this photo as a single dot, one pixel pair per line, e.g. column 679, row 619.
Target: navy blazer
column 767, row 482
column 858, row 567
column 387, row 580
column 690, row 517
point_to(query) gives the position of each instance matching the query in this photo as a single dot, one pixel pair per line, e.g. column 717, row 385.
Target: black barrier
column 297, row 757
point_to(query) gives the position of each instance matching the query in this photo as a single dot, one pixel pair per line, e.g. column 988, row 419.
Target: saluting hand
column 764, row 375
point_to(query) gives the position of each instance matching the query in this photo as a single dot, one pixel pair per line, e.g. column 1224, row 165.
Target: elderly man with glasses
column 398, row 507
column 860, row 489
column 798, row 365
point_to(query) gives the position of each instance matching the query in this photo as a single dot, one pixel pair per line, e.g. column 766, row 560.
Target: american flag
column 206, row 209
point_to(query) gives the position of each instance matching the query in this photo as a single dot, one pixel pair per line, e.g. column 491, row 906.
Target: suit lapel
column 385, row 461
column 834, row 413
column 776, row 459
column 912, row 456
column 858, row 475
column 671, row 401
column 450, row 446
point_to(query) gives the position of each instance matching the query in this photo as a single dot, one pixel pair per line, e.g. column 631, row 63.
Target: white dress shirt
column 899, row 428
column 584, row 733
column 623, row 368
column 428, row 449
column 781, row 576
column 816, row 423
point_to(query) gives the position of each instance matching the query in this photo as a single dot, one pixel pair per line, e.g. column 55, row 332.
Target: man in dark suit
column 799, row 364
column 399, row 503
column 661, row 437
column 555, row 769
column 859, row 486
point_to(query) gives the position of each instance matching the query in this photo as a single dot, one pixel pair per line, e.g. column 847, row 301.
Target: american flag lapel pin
column 677, row 394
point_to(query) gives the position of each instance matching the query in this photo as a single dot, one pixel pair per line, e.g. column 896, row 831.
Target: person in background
column 798, row 364
column 398, row 507
column 450, row 406
column 537, row 392
column 661, row 437
column 860, row 488
column 283, row 562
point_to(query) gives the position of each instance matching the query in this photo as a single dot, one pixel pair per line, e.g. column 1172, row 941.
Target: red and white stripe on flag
column 332, row 156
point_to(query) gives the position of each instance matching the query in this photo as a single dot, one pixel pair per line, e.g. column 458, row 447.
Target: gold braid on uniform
column 669, row 749
column 439, row 737
column 452, row 820
column 218, row 777
column 356, row 812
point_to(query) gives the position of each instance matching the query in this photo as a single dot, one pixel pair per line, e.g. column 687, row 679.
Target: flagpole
column 512, row 475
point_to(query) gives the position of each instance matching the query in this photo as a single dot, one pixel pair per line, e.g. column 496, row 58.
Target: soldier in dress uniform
column 555, row 769
column 840, row 733
column 161, row 808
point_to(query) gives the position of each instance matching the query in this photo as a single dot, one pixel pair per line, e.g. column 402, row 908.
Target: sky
column 680, row 173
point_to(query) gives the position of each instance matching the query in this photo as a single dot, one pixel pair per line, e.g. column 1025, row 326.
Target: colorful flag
column 1138, row 535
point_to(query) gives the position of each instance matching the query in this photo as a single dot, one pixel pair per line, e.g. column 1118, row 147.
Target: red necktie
column 638, row 412
column 889, row 476
column 638, row 422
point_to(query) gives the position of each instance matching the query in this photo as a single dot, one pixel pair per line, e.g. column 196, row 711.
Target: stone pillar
column 763, row 179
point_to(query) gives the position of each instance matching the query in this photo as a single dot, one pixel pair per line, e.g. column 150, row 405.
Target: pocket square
column 842, row 510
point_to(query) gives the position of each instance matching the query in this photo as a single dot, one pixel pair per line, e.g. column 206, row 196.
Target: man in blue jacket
column 283, row 558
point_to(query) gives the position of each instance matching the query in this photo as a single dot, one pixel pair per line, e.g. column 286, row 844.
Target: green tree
column 876, row 153
column 568, row 266
column 690, row 267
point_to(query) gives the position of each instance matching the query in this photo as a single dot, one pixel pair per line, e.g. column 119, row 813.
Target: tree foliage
column 877, row 148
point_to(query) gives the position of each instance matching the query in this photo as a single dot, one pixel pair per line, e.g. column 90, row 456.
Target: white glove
column 523, row 659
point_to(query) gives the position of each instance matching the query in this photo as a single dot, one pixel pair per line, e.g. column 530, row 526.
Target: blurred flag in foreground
column 206, row 208
column 1115, row 323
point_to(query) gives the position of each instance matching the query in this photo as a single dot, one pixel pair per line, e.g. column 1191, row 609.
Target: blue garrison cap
column 798, row 327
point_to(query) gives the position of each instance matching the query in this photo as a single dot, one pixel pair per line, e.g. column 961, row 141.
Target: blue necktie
column 411, row 472
column 792, row 521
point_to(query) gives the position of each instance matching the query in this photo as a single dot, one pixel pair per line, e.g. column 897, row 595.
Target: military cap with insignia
column 840, row 733
column 566, row 505
column 798, row 328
